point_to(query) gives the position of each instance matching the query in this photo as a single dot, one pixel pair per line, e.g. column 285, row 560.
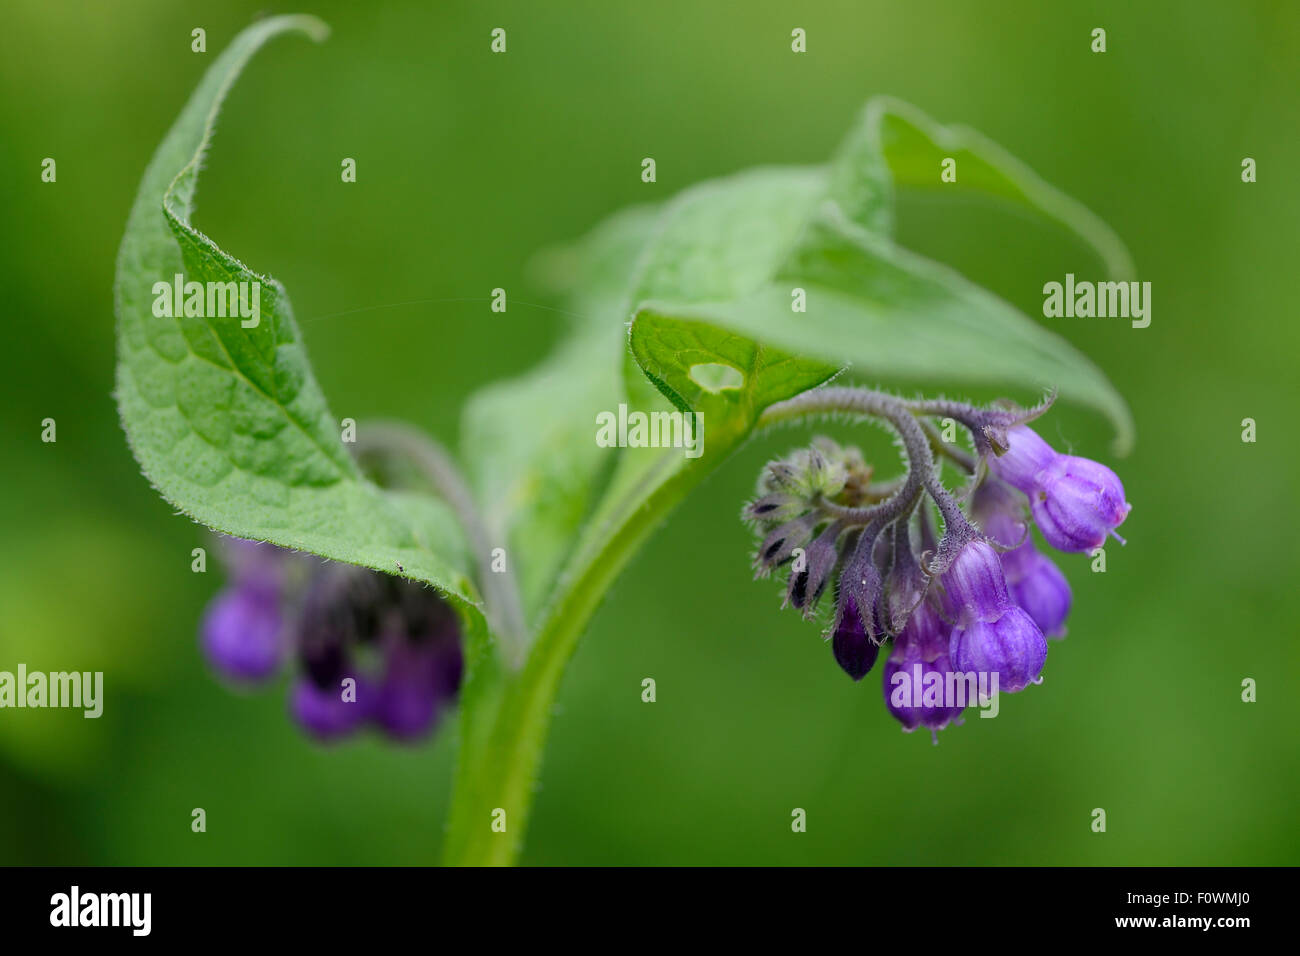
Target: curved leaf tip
column 219, row 402
column 912, row 144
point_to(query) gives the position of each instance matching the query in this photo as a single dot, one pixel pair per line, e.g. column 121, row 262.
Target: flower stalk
column 503, row 608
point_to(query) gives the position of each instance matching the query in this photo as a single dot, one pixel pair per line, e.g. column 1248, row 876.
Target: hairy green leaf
column 870, row 305
column 895, row 144
column 224, row 415
column 530, row 442
column 888, row 313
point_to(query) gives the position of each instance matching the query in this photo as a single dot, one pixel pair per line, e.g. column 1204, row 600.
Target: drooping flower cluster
column 967, row 613
column 368, row 648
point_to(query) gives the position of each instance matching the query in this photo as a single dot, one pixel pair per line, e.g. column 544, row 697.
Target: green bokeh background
column 468, row 164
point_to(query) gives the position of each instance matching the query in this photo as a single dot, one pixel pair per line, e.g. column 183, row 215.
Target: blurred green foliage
column 469, row 163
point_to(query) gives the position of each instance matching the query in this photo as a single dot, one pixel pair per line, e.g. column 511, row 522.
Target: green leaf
column 889, row 314
column 895, row 144
column 228, row 422
column 530, row 442
column 712, row 242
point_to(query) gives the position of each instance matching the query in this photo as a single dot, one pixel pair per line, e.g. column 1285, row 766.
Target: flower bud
column 419, row 679
column 925, row 636
column 778, row 547
column 919, row 661
column 861, row 587
column 975, row 583
column 777, row 507
column 241, row 634
column 906, row 584
column 819, row 559
column 854, row 650
column 906, row 684
column 1010, row 645
column 826, row 471
column 1038, row 586
column 324, row 713
column 406, row 709
column 1026, row 455
column 1077, row 503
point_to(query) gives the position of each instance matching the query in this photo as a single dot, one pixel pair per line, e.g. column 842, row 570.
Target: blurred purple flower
column 370, row 648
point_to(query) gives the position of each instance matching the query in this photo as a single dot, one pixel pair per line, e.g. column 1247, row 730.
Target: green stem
column 505, row 716
column 499, row 763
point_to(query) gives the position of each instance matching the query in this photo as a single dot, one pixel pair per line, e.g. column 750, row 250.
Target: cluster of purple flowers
column 369, row 648
column 982, row 599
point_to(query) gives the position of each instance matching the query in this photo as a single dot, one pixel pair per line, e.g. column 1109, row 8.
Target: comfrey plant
column 394, row 578
column 977, row 601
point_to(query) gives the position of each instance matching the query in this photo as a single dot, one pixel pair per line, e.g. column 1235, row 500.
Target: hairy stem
column 902, row 416
column 499, row 772
column 500, row 594
column 958, row 456
column 889, row 508
column 861, row 401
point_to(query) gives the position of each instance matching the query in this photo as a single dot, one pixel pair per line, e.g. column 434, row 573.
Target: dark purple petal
column 449, row 666
column 324, row 713
column 339, row 611
column 854, row 651
column 406, row 709
column 861, row 587
column 415, row 686
column 324, row 663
